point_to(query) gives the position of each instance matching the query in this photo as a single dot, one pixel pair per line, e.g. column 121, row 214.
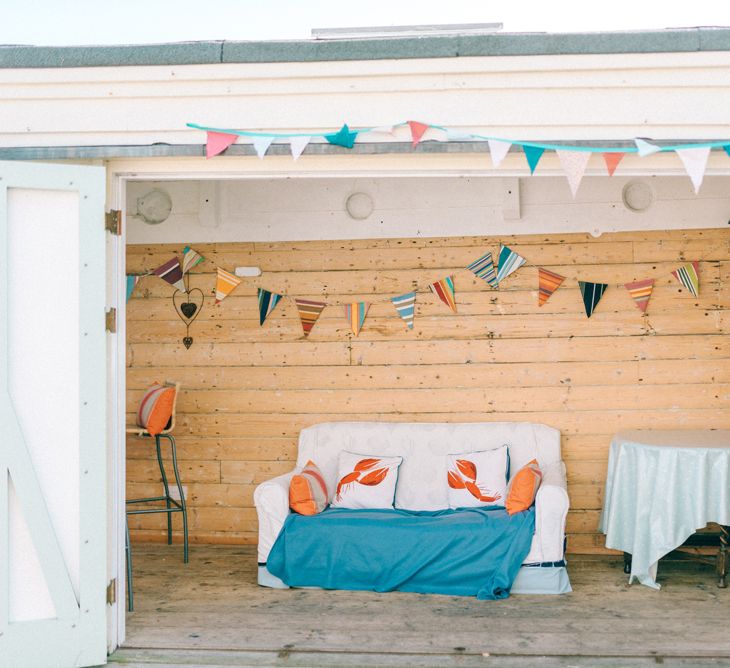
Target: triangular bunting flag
column 309, row 311
column 533, row 155
column 191, row 259
column 484, row 269
column 574, row 165
column 444, row 289
column 612, row 160
column 417, row 130
column 261, row 145
column 645, row 148
column 592, row 293
column 640, row 292
column 225, row 284
column 132, row 281
column 172, row 273
column 548, row 282
column 267, row 303
column 217, row 142
column 727, row 149
column 498, row 149
column 343, row 137
column 695, row 163
column 355, row 313
column 406, row 307
column 509, row 261
column 297, row 145
column 689, row 276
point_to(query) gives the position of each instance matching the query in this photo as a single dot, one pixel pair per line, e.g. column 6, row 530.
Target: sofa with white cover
column 422, row 481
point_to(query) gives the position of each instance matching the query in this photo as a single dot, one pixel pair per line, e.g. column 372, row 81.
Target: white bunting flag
column 383, row 129
column 261, row 144
column 498, row 149
column 695, row 163
column 645, row 148
column 297, row 145
column 574, row 165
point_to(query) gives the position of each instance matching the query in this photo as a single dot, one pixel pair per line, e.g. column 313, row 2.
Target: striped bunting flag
column 640, row 291
column 191, row 259
column 444, row 289
column 132, row 281
column 592, row 293
column 355, row 314
column 225, row 284
column 267, row 303
column 406, row 306
column 309, row 311
column 689, row 276
column 484, row 269
column 172, row 273
column 549, row 282
column 509, row 261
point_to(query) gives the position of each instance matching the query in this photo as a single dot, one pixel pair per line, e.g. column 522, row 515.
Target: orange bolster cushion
column 155, row 409
column 523, row 488
column 308, row 491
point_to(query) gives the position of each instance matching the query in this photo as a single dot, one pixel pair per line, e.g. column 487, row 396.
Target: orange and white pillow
column 365, row 481
column 523, row 487
column 155, row 408
column 308, row 491
column 478, row 479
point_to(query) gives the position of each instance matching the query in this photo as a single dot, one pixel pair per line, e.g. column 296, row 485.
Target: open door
column 52, row 416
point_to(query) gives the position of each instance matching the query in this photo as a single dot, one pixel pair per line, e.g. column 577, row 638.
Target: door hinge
column 111, row 320
column 111, row 592
column 113, row 222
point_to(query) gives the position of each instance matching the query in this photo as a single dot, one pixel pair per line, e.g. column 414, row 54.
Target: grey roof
column 675, row 40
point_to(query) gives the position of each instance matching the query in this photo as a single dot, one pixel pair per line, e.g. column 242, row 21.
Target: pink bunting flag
column 640, row 292
column 612, row 160
column 417, row 131
column 217, row 142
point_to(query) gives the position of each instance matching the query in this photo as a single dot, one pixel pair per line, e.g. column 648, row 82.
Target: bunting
column 191, row 259
column 689, row 276
column 417, row 131
column 132, row 281
column 498, row 150
column 592, row 293
column 612, row 160
column 406, row 306
column 574, row 165
column 640, row 292
column 355, row 314
column 343, row 137
column 267, row 303
column 645, row 148
column 172, row 273
column 309, row 311
column 548, row 282
column 444, row 290
column 297, row 145
column 261, row 145
column 484, row 269
column 533, row 155
column 695, row 164
column 509, row 261
column 225, row 283
column 217, row 142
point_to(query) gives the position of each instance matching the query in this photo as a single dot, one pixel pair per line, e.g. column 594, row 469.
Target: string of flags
column 173, row 272
column 573, row 158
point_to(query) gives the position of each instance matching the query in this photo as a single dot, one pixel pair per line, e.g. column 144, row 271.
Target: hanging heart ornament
column 190, row 308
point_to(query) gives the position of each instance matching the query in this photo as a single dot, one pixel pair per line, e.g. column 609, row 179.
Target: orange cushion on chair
column 523, row 487
column 155, row 409
column 308, row 491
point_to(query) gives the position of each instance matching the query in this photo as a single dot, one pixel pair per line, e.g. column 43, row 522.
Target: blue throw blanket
column 465, row 552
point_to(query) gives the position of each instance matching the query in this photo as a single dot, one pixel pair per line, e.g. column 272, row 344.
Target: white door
column 52, row 416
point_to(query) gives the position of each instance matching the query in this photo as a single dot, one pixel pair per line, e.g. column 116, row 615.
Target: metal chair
column 172, row 505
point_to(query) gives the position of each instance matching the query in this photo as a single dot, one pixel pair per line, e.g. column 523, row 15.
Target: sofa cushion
column 308, row 491
column 365, row 481
column 523, row 487
column 477, row 479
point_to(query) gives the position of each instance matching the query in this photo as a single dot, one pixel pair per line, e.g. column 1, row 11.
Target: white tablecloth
column 661, row 487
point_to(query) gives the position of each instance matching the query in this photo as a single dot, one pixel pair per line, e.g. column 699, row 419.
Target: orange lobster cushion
column 308, row 491
column 365, row 481
column 477, row 479
column 523, row 488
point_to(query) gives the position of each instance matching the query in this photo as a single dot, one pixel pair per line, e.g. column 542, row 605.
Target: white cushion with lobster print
column 365, row 481
column 478, row 478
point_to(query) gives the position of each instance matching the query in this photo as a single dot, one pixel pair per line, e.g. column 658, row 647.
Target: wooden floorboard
column 211, row 612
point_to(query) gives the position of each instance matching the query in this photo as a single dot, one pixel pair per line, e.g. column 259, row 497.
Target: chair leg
column 130, row 584
column 181, row 492
column 722, row 557
column 627, row 563
column 166, row 486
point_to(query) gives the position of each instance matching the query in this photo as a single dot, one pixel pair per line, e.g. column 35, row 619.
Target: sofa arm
column 551, row 509
column 271, row 499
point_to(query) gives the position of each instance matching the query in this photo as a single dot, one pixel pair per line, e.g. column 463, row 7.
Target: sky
column 78, row 22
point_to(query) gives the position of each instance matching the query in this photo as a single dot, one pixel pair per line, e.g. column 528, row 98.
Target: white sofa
column 422, row 481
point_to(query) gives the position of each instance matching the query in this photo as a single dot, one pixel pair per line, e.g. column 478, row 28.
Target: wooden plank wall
column 248, row 390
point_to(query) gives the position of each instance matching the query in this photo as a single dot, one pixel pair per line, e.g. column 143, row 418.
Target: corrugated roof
column 679, row 40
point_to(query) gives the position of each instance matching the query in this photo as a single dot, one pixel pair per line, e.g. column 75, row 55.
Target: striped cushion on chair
column 308, row 491
column 155, row 409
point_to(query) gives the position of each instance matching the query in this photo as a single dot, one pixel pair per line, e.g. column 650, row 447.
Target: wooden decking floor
column 211, row 612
